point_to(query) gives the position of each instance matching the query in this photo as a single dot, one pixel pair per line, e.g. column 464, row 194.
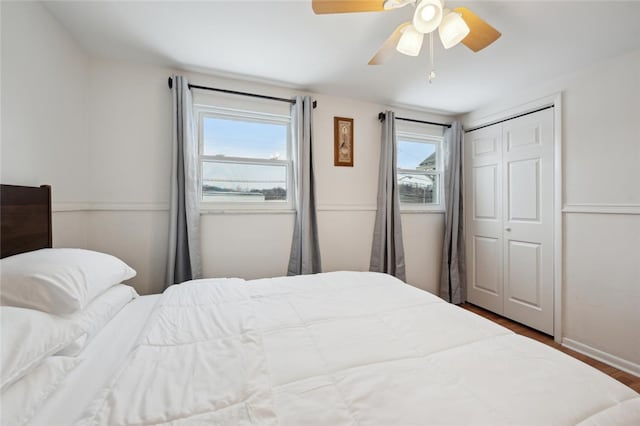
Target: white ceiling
column 284, row 41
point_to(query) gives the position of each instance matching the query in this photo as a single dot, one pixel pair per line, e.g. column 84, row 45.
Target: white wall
column 130, row 125
column 44, row 114
column 99, row 132
column 601, row 154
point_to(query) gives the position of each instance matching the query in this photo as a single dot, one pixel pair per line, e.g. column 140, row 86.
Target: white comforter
column 345, row 348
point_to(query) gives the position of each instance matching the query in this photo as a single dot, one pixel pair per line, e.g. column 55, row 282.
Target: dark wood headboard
column 25, row 219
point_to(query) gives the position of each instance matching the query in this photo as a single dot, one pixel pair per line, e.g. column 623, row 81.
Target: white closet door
column 527, row 152
column 509, row 193
column 483, row 194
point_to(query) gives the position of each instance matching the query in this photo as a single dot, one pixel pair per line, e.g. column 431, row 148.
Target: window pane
column 245, row 139
column 418, row 188
column 233, row 182
column 416, row 155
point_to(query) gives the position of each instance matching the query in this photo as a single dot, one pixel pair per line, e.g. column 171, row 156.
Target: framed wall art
column 343, row 141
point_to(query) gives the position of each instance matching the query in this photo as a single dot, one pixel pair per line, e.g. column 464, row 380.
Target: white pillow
column 28, row 337
column 94, row 317
column 22, row 400
column 59, row 280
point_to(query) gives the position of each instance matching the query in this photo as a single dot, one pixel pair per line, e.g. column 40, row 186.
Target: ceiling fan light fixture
column 410, row 42
column 453, row 29
column 427, row 16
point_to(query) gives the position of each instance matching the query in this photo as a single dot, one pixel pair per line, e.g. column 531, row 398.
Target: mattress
column 343, row 348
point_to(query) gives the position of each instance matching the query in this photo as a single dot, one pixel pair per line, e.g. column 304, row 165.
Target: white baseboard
column 612, row 360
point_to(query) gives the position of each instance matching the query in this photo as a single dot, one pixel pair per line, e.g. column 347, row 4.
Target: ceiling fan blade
column 481, row 34
column 346, row 6
column 385, row 51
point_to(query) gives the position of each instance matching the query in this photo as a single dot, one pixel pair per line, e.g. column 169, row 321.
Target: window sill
column 217, row 211
column 433, row 211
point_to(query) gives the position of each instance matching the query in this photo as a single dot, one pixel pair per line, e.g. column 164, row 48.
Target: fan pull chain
column 432, row 73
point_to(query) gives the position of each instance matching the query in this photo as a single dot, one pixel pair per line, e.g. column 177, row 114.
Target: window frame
column 209, row 111
column 438, row 141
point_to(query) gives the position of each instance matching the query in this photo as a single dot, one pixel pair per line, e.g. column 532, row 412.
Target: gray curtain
column 305, row 249
column 184, row 221
column 453, row 286
column 387, row 251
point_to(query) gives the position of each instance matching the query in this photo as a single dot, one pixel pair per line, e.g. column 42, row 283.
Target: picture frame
column 343, row 142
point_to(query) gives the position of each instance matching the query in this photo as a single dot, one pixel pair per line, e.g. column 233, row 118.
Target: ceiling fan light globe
column 427, row 16
column 453, row 29
column 410, row 42
column 428, row 12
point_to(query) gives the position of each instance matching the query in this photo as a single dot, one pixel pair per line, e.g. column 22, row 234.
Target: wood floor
column 626, row 378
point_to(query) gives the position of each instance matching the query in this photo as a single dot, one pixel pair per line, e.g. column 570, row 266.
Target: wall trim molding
column 559, row 278
column 607, row 358
column 63, row 207
column 602, row 208
column 68, row 207
column 515, row 109
column 346, row 207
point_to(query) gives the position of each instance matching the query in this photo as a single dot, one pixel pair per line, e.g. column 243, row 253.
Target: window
column 419, row 166
column 245, row 159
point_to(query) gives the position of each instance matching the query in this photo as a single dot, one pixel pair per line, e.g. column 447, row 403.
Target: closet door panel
column 483, row 192
column 486, row 273
column 528, row 219
column 524, row 191
column 523, row 273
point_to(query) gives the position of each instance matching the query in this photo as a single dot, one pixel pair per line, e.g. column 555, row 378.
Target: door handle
column 507, row 229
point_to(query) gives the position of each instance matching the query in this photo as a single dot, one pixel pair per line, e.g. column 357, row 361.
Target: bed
column 337, row 348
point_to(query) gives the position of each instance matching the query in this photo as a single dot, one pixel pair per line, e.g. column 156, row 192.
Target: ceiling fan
column 459, row 25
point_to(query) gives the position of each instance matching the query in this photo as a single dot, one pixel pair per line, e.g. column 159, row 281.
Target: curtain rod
column 507, row 119
column 234, row 92
column 382, row 117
